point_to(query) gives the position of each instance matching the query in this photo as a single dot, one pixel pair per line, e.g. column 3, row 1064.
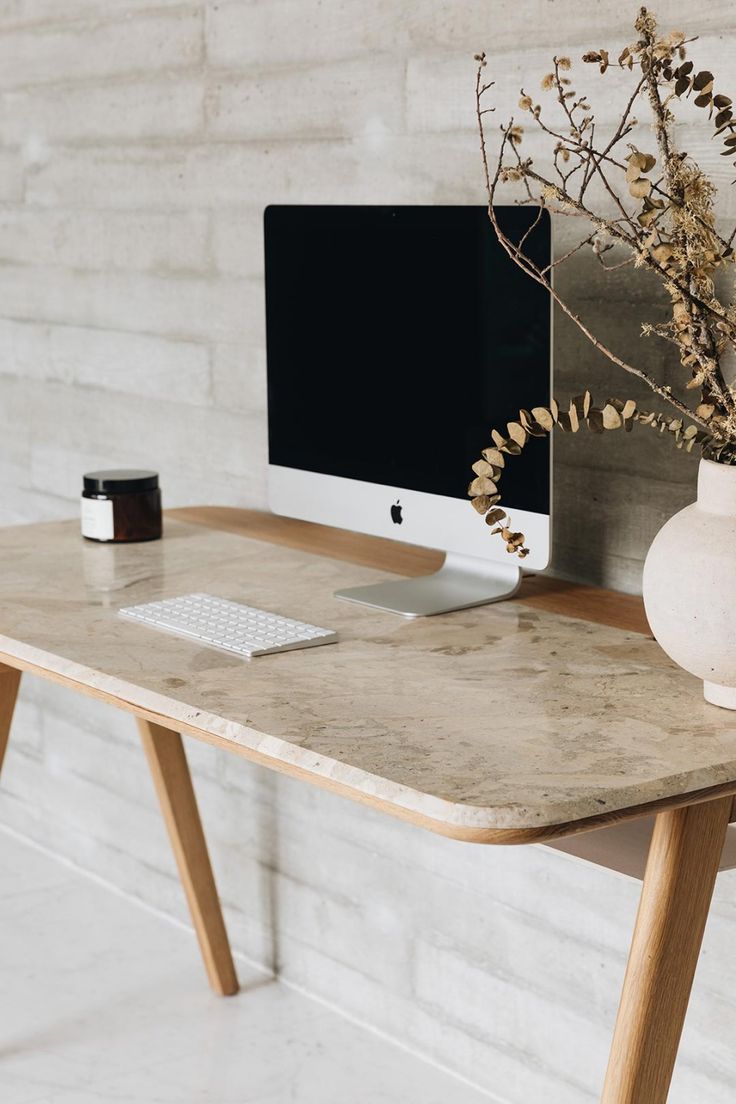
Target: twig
column 531, row 269
column 565, row 256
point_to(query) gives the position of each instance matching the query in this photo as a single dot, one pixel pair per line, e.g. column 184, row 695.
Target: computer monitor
column 397, row 338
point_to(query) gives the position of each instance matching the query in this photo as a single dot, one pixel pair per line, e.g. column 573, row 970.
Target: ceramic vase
column 690, row 585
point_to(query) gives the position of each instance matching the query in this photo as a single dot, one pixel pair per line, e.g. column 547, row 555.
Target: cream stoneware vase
column 690, row 585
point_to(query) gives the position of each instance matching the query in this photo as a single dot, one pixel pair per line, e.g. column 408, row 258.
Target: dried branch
column 528, row 266
column 670, row 231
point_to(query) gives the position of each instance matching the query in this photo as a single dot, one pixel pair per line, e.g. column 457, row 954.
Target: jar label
column 97, row 519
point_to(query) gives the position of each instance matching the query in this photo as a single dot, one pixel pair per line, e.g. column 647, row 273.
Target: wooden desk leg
column 675, row 900
column 9, row 684
column 170, row 771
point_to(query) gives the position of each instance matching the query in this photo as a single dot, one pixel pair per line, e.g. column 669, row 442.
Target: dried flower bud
column 564, row 63
column 525, row 103
column 645, row 24
column 548, row 82
column 551, row 192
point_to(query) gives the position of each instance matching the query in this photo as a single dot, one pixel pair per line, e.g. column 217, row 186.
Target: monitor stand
column 461, row 582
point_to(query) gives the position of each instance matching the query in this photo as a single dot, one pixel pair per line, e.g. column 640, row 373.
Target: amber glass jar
column 120, row 506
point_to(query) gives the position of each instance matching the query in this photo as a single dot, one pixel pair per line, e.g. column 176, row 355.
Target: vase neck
column 717, row 488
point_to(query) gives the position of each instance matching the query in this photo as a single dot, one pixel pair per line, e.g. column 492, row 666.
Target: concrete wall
column 139, row 141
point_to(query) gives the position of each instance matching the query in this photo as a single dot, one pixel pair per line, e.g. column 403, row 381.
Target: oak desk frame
column 683, row 858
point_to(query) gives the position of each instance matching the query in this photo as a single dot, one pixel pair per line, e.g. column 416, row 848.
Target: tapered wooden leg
column 9, row 684
column 678, row 886
column 167, row 760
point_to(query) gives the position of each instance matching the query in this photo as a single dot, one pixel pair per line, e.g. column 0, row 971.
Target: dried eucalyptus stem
column 658, row 207
column 541, row 420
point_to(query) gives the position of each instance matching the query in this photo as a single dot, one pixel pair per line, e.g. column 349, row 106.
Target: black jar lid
column 120, row 481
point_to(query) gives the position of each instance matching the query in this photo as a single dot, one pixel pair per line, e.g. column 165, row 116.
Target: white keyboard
column 230, row 626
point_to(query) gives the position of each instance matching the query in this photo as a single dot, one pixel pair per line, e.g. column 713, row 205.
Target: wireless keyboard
column 230, row 626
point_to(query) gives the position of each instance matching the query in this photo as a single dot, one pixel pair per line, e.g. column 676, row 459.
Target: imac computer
column 397, row 338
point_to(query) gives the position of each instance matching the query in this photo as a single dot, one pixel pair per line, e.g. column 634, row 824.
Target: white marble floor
column 103, row 1001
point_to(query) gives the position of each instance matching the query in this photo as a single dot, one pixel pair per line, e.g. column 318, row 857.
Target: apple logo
column 396, row 513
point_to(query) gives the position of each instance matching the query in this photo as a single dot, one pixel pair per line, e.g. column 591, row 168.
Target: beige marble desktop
column 500, row 717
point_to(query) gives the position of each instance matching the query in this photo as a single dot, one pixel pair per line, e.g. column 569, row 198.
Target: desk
column 511, row 723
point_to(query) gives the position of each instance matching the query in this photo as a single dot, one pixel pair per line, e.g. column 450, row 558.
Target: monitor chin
column 477, row 567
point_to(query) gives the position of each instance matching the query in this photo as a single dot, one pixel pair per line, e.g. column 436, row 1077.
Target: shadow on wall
column 612, row 492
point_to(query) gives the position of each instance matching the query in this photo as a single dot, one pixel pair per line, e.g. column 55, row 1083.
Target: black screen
column 398, row 337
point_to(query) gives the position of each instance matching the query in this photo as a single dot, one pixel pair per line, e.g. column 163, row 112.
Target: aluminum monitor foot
column 461, row 582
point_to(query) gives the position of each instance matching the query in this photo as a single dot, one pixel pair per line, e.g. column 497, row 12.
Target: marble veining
column 492, row 718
